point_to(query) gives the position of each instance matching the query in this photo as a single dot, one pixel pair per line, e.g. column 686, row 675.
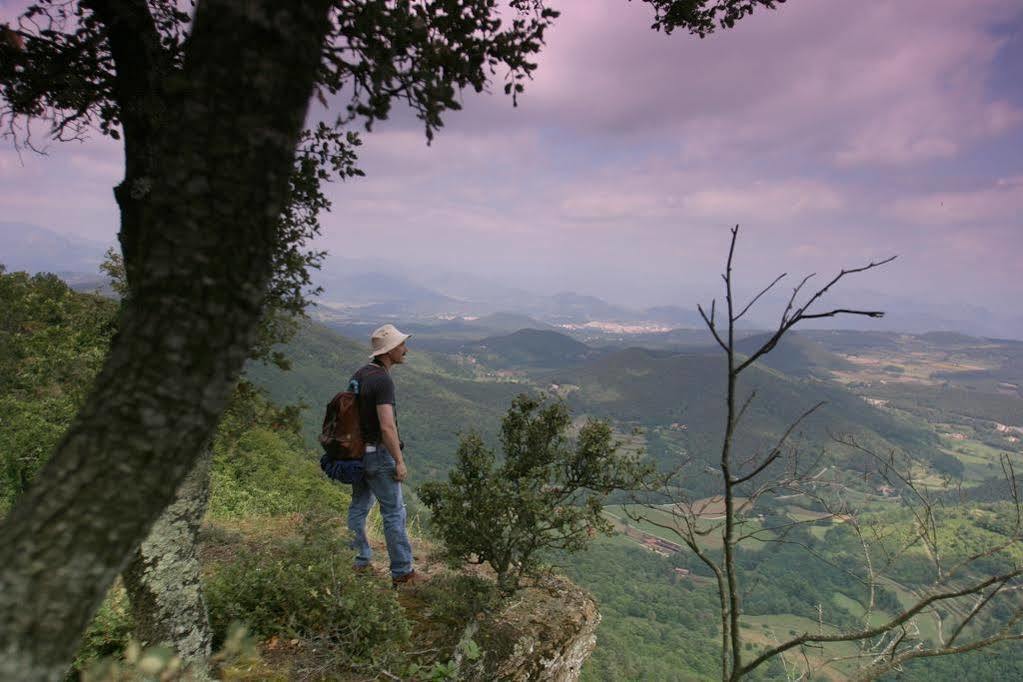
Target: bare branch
column 876, row 671
column 887, row 643
column 746, row 404
column 820, row 292
column 881, row 629
column 801, row 314
column 757, row 297
column 776, row 451
column 710, row 325
column 844, row 311
column 973, row 613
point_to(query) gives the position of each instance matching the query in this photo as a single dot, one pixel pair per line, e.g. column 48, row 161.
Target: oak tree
column 211, row 110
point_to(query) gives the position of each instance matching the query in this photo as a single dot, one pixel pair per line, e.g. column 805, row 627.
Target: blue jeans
column 379, row 484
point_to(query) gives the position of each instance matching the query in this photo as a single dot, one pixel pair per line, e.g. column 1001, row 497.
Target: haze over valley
column 945, row 406
column 715, row 366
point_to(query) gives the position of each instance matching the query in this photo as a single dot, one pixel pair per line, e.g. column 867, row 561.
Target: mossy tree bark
column 199, row 205
column 163, row 579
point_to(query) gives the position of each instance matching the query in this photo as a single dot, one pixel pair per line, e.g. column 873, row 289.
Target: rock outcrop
column 545, row 633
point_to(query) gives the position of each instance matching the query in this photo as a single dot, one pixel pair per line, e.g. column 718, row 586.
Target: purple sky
column 833, row 131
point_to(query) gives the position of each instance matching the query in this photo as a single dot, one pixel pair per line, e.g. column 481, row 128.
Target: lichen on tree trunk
column 163, row 579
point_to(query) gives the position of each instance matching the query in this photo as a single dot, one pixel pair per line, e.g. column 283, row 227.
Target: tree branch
column 757, row 297
column 800, row 314
column 881, row 629
column 776, row 451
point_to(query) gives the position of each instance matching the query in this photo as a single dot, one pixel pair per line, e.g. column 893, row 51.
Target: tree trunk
column 202, row 228
column 163, row 581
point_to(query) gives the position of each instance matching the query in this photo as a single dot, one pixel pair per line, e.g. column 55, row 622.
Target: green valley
column 802, row 563
column 949, row 406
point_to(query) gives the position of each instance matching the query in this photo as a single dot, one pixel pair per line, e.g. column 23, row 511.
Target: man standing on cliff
column 383, row 462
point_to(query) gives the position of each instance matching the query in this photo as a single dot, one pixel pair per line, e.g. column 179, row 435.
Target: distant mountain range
column 679, row 395
column 364, row 292
column 35, row 249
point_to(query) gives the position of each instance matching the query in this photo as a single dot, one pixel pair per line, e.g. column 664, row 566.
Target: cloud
column 924, row 128
column 834, row 132
column 852, row 84
column 107, row 169
column 766, row 201
column 1000, row 203
column 648, row 195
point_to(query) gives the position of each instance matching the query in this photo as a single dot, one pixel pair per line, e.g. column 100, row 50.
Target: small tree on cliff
column 547, row 494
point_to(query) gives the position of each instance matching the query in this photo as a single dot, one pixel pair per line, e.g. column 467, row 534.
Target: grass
column 800, row 514
column 877, row 617
column 653, row 520
column 773, row 629
column 928, row 623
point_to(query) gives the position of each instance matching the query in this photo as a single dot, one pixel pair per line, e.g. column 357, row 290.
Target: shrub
column 238, row 659
column 456, row 599
column 545, row 495
column 266, row 472
column 303, row 587
column 109, row 632
column 52, row 343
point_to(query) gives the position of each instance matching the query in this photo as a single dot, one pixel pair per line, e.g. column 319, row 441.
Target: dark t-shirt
column 375, row 387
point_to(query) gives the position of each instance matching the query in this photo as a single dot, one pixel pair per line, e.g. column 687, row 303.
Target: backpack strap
column 353, row 383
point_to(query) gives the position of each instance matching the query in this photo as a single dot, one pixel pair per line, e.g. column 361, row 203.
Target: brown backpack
column 341, row 436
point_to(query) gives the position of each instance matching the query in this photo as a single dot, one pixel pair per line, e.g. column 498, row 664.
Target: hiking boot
column 410, row 578
column 364, row 569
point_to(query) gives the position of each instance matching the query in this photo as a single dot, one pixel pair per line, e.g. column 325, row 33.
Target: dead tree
column 783, row 469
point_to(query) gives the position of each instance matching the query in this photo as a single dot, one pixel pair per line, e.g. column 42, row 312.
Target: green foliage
column 375, row 53
column 531, row 348
column 443, row 671
column 999, row 662
column 109, row 632
column 703, row 17
column 654, row 389
column 266, row 472
column 652, row 628
column 938, row 402
column 237, row 659
column 455, row 599
column 261, row 465
column 545, row 495
column 303, row 587
column 799, row 574
column 960, row 533
column 290, row 286
column 52, row 343
column 432, row 407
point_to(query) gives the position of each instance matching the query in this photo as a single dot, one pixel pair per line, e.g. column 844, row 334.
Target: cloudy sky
column 833, row 131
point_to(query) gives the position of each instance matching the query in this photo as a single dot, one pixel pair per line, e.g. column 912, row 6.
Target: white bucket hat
column 386, row 339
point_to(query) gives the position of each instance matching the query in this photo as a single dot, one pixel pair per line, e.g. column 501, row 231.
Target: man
column 383, row 462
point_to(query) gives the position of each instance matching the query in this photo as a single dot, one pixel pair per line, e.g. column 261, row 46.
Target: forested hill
column 659, row 388
column 796, row 354
column 657, row 623
column 438, row 398
column 534, row 348
column 436, row 401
